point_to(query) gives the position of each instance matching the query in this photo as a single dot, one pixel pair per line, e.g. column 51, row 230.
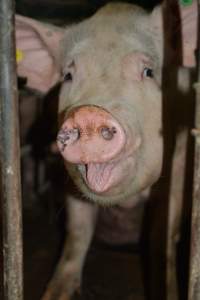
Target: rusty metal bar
column 9, row 158
column 194, row 281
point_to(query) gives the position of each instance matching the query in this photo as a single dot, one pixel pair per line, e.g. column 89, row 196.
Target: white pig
column 110, row 111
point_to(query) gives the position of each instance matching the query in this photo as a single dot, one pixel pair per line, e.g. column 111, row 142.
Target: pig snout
column 90, row 134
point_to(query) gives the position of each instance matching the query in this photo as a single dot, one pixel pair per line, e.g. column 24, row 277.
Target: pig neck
column 132, row 201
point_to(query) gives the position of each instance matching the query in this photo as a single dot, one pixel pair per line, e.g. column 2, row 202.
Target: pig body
column 110, row 115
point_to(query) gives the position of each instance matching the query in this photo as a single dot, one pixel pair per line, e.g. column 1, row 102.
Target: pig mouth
column 98, row 176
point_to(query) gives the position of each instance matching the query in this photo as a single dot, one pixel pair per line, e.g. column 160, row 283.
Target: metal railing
column 10, row 158
column 194, row 284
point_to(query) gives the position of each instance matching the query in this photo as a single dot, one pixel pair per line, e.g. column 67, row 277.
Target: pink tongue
column 98, row 176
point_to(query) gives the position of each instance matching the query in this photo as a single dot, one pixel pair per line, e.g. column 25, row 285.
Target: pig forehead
column 107, row 47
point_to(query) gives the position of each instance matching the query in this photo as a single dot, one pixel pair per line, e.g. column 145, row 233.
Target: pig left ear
column 173, row 22
column 37, row 51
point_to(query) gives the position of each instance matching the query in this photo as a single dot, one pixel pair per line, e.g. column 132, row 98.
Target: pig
column 111, row 69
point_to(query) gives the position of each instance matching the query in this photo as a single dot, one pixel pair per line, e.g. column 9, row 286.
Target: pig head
column 110, row 104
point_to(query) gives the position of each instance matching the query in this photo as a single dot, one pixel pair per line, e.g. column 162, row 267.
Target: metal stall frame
column 194, row 280
column 10, row 158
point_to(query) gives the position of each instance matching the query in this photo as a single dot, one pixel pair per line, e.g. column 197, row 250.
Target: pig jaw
column 127, row 186
column 129, row 177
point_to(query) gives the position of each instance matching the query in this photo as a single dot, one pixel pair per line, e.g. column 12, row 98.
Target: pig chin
column 112, row 183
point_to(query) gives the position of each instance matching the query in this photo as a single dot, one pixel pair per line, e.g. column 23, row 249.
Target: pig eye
column 67, row 77
column 147, row 72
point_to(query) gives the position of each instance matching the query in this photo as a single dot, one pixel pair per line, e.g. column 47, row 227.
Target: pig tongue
column 98, row 176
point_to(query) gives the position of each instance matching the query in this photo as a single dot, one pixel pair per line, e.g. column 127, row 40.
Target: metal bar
column 9, row 158
column 194, row 281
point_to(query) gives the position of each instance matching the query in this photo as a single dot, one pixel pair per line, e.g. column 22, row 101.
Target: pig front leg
column 81, row 224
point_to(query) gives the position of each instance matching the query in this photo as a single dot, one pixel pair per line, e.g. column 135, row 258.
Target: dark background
column 68, row 8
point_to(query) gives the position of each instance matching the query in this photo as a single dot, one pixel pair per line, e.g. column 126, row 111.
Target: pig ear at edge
column 181, row 23
column 38, row 47
column 189, row 24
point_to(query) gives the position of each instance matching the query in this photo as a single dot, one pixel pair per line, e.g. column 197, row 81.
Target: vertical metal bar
column 194, row 281
column 9, row 158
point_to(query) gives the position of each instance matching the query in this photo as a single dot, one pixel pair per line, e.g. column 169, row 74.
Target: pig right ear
column 38, row 47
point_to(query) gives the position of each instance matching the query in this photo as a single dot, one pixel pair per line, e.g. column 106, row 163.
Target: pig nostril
column 108, row 133
column 74, row 134
column 68, row 136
